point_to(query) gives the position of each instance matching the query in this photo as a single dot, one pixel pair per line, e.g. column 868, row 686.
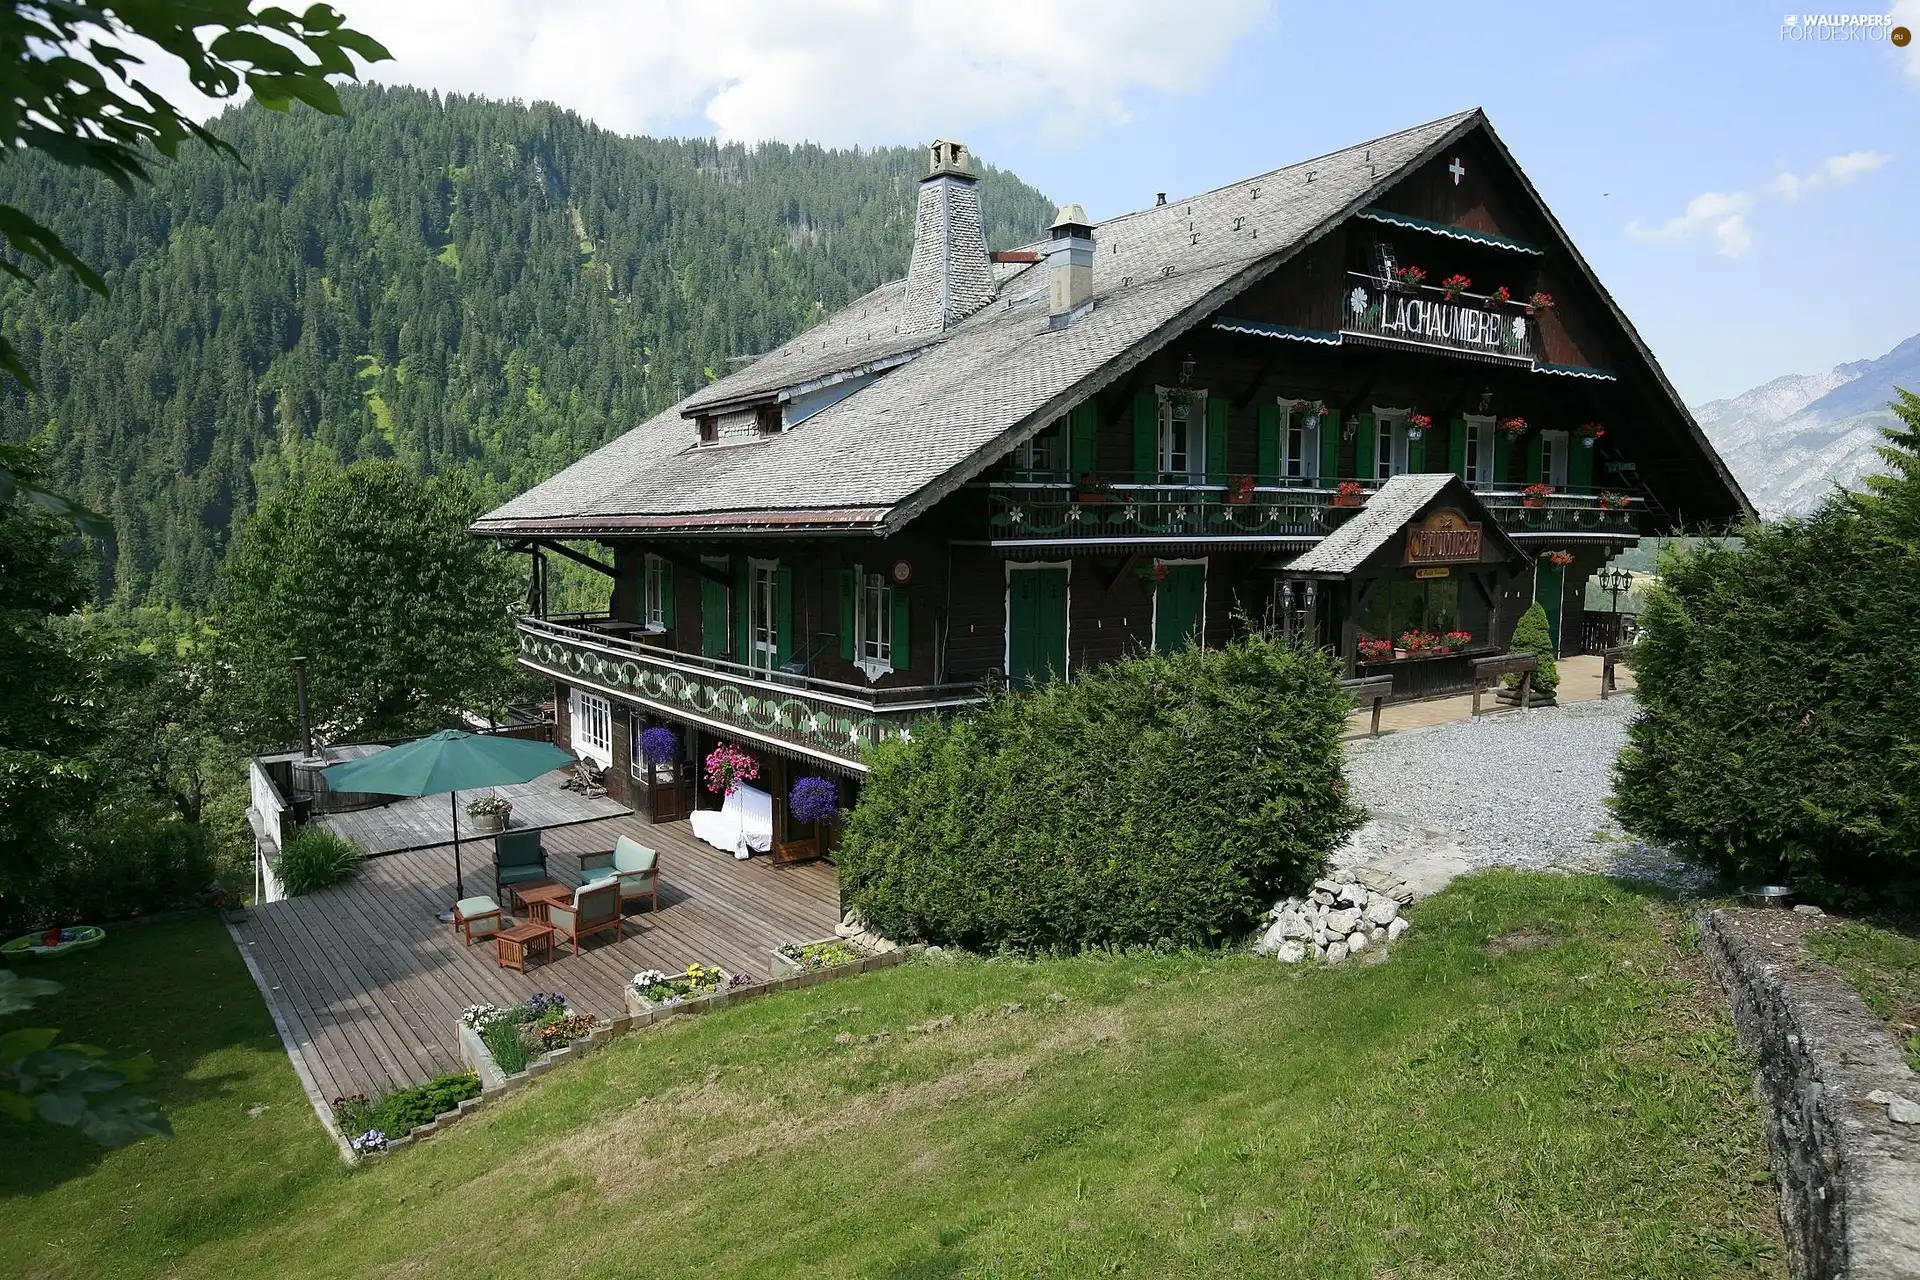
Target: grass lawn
column 1542, row 1082
column 1884, row 967
column 179, row 991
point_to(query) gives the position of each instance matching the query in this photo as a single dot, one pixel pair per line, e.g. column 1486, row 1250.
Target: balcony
column 1302, row 512
column 819, row 718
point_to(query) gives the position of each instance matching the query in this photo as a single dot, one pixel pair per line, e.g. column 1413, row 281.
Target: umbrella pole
column 459, row 881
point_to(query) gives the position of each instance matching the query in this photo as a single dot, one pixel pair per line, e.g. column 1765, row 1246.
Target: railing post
column 1526, row 690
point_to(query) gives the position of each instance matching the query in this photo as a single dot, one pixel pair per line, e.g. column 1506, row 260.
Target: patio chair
column 480, row 915
column 595, row 908
column 518, row 858
column 635, row 866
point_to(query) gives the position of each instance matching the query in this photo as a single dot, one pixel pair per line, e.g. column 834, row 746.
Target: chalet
column 1376, row 398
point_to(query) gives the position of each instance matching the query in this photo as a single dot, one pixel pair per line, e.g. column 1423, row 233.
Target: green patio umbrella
column 451, row 761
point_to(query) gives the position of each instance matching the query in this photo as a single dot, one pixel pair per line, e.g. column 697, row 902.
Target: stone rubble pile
column 855, row 931
column 1357, row 908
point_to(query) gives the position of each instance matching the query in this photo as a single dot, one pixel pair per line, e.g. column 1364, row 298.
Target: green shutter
column 1266, row 465
column 1216, row 440
column 1329, row 445
column 849, row 601
column 1502, row 462
column 782, row 615
column 666, row 593
column 902, row 630
column 1579, row 464
column 1084, row 422
column 1417, row 454
column 1363, row 442
column 1533, row 458
column 1457, row 447
column 742, row 589
column 713, row 616
column 1146, row 439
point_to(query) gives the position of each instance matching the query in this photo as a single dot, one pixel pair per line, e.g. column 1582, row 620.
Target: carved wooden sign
column 1445, row 537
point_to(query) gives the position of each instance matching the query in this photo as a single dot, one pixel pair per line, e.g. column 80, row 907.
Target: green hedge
column 130, row 859
column 1164, row 800
column 1778, row 735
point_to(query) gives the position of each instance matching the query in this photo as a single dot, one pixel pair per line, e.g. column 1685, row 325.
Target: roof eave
column 851, row 520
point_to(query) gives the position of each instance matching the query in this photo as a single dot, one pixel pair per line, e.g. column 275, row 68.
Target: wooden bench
column 1506, row 664
column 1609, row 683
column 1369, row 689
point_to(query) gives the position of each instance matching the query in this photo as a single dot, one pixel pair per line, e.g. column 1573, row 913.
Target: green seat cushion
column 471, row 907
column 514, row 875
column 630, row 856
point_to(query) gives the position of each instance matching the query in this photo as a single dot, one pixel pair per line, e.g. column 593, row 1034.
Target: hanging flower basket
column 659, row 745
column 727, row 767
column 1311, row 413
column 1589, row 432
column 1539, row 302
column 1240, row 491
column 1350, row 494
column 1514, row 426
column 1494, row 300
column 1155, row 572
column 1417, row 425
column 1454, row 285
column 814, row 799
column 1560, row 559
column 1615, row 501
column 1535, row 495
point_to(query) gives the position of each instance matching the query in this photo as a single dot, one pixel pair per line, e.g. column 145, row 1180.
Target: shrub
column 398, row 1112
column 1167, row 799
column 1778, row 734
column 314, row 859
column 128, row 859
column 1532, row 635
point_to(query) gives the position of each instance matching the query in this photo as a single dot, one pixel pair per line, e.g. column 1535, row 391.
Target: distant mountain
column 1791, row 440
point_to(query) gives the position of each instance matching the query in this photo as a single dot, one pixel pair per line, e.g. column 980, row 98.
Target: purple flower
column 659, row 745
column 814, row 799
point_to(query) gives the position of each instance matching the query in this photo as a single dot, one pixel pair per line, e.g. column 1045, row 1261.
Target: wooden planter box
column 638, row 1004
column 781, row 967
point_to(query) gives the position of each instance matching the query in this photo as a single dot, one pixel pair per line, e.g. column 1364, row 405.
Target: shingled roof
column 955, row 401
column 1387, row 512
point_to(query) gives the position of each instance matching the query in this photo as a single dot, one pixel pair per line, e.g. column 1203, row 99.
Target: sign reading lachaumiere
column 1412, row 316
column 1445, row 537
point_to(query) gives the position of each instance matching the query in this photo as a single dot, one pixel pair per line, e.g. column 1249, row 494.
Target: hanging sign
column 1445, row 537
column 1433, row 571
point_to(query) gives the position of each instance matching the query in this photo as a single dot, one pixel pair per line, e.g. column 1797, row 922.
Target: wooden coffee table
column 513, row 944
column 537, row 898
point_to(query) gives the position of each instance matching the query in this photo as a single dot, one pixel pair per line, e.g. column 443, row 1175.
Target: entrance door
column 763, row 626
column 1036, row 624
column 1179, row 607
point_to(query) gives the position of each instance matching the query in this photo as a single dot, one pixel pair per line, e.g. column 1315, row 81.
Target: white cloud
column 1835, row 171
column 1722, row 215
column 1906, row 13
column 840, row 72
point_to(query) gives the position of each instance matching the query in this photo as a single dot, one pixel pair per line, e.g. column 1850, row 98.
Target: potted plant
column 1409, row 276
column 1411, row 643
column 1311, row 413
column 1350, row 494
column 1539, row 302
column 490, row 813
column 1093, row 489
column 1417, row 425
column 1493, row 301
column 1454, row 285
column 1240, row 491
column 1514, row 426
column 727, row 767
column 1560, row 559
column 1457, row 640
column 1589, row 432
column 1372, row 650
column 1535, row 495
column 1614, row 501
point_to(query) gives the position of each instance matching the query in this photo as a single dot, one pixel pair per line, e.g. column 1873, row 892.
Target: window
column 763, row 627
column 1299, row 443
column 766, row 419
column 1478, row 468
column 709, row 427
column 592, row 727
column 1553, row 458
column 1045, row 452
column 872, row 623
column 1391, row 444
column 1183, row 436
column 653, row 605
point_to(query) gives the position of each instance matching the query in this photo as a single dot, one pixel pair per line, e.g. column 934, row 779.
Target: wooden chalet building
column 1303, row 399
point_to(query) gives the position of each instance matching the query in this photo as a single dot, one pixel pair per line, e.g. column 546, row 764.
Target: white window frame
column 1553, row 458
column 763, row 655
column 1303, row 464
column 653, row 585
column 872, row 623
column 590, row 727
column 1196, row 432
column 1153, row 638
column 636, row 766
column 1390, row 443
column 1479, row 452
column 1045, row 450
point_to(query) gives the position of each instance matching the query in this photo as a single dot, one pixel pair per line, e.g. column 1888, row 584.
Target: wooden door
column 1179, row 607
column 1036, row 625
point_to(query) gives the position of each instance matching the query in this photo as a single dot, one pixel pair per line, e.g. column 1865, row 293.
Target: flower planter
column 489, row 824
column 782, row 966
column 1538, row 504
column 638, row 1004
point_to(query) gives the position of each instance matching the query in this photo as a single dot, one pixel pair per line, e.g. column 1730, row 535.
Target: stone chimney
column 950, row 277
column 1069, row 267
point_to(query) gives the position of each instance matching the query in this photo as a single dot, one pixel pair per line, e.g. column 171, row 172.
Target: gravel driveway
column 1513, row 790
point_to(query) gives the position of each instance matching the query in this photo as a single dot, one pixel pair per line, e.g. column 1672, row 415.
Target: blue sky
column 1772, row 181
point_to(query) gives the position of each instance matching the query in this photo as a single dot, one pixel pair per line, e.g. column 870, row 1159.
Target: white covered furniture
column 743, row 824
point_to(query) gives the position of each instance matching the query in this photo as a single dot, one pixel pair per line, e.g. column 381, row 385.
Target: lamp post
column 1614, row 581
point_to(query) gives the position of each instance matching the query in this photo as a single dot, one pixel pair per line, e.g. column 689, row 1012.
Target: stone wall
column 1834, row 1082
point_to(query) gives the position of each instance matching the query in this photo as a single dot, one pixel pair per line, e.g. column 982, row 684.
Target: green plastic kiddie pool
column 50, row 943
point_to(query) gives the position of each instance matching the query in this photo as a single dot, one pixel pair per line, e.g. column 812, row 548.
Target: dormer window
column 766, row 419
column 709, row 427
column 1043, row 454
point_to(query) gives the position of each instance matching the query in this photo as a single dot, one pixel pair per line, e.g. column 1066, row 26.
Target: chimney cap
column 1071, row 220
column 948, row 158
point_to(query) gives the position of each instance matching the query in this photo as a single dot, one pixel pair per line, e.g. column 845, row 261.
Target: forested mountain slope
column 437, row 278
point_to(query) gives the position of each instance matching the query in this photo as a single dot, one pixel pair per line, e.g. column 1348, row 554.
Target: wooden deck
column 419, row 822
column 368, row 984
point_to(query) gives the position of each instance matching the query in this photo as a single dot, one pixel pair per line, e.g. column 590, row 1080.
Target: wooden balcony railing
column 821, row 718
column 1565, row 510
column 1151, row 512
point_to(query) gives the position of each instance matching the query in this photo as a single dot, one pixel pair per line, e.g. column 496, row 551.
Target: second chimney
column 1069, row 267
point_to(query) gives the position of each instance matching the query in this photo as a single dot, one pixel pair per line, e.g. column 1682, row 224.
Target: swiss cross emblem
column 1458, row 170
